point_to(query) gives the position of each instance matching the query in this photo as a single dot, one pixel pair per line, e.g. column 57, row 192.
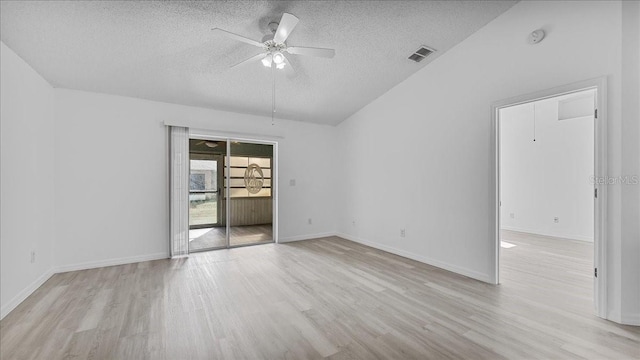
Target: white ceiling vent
column 421, row 53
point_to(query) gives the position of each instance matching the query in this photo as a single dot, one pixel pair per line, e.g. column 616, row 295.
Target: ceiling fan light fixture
column 266, row 61
column 281, row 66
column 278, row 58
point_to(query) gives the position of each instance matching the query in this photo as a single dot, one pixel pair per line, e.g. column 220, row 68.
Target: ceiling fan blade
column 238, row 37
column 308, row 51
column 253, row 58
column 286, row 26
column 288, row 69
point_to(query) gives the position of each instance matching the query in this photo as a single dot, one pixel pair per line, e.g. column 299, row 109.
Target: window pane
column 236, row 182
column 238, row 161
column 196, row 182
column 238, row 192
column 237, row 172
column 239, row 183
column 262, row 162
column 203, row 175
column 203, row 209
column 263, row 192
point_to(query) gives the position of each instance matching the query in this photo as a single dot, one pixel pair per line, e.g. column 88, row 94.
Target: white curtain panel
column 179, row 191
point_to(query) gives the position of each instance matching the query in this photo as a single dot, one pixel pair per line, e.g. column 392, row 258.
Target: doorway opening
column 231, row 196
column 549, row 215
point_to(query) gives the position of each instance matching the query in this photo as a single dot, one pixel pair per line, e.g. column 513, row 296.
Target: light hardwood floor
column 216, row 237
column 312, row 299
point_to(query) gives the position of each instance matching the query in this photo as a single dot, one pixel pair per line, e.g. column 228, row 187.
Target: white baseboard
column 630, row 319
column 305, row 237
column 560, row 236
column 13, row 303
column 22, row 295
column 423, row 259
column 110, row 262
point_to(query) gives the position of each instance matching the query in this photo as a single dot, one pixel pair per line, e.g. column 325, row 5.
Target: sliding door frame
column 207, row 135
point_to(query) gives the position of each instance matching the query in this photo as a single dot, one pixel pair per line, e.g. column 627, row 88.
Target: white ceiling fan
column 274, row 46
column 209, row 144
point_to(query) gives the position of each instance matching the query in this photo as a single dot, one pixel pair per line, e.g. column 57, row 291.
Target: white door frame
column 209, row 135
column 600, row 172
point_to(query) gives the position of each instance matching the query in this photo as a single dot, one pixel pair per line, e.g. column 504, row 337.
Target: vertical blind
column 179, row 191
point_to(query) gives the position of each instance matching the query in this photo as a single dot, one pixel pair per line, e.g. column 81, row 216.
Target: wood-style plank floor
column 324, row 298
column 216, row 237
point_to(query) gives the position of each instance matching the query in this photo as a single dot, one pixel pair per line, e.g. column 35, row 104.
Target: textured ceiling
column 165, row 51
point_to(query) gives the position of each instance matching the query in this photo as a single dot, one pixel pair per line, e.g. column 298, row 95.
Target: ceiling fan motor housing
column 273, row 27
column 271, row 47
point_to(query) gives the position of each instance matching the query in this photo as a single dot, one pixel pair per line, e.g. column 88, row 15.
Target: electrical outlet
column 512, row 215
column 33, row 256
column 309, row 221
column 402, row 232
column 353, row 222
column 556, row 219
column 292, row 182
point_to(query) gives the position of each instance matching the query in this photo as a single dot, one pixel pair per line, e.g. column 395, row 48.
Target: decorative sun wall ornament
column 253, row 178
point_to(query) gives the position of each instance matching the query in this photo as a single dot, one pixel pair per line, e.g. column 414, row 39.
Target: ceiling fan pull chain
column 534, row 121
column 274, row 48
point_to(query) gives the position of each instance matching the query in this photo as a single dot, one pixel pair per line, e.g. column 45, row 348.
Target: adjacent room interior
column 547, row 199
column 320, row 179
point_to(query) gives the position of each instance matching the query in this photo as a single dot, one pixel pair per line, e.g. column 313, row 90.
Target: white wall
column 630, row 192
column 551, row 176
column 27, row 172
column 421, row 156
column 111, row 178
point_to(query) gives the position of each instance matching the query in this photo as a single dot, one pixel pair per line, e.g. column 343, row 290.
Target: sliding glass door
column 251, row 197
column 230, row 194
column 207, row 226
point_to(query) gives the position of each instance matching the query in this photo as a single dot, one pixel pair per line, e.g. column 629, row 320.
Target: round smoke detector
column 536, row 36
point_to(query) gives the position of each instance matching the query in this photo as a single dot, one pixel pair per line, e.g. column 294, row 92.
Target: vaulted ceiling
column 166, row 51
